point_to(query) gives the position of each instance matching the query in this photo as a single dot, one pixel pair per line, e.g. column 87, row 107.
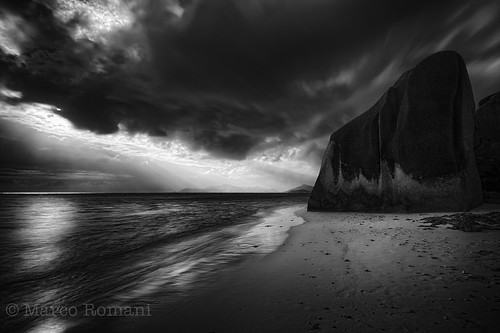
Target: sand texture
column 352, row 272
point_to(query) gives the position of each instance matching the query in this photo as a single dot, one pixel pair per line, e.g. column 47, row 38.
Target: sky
column 159, row 95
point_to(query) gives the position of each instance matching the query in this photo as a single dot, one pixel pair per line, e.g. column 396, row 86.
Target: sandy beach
column 352, row 272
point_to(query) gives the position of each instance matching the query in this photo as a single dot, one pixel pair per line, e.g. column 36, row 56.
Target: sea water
column 65, row 251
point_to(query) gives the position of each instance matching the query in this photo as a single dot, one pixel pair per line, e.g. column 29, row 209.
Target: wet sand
column 353, row 272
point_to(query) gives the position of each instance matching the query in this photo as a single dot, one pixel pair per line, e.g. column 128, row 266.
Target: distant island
column 226, row 188
column 301, row 189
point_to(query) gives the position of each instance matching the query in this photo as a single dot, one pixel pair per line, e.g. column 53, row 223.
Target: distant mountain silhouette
column 301, row 189
column 226, row 188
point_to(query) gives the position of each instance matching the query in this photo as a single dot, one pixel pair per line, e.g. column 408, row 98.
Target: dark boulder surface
column 487, row 142
column 412, row 151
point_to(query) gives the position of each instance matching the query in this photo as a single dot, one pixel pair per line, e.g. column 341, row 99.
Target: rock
column 487, row 142
column 412, row 151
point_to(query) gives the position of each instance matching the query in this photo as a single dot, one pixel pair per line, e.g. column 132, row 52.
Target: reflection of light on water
column 44, row 296
column 179, row 276
column 45, row 222
column 51, row 325
column 194, row 260
column 271, row 233
column 176, row 269
column 164, row 210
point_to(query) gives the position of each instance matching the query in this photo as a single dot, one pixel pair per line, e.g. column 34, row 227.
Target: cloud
column 222, row 75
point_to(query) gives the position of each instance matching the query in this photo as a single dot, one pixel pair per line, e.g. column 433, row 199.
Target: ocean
column 65, row 251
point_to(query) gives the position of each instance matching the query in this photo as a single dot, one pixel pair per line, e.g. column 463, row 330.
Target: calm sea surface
column 123, row 249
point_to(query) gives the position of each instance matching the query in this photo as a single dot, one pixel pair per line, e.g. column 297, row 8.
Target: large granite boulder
column 412, row 151
column 487, row 143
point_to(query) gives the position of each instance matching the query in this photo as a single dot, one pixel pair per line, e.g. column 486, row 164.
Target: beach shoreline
column 352, row 272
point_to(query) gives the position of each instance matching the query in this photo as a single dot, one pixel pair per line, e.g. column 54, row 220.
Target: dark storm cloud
column 261, row 47
column 229, row 73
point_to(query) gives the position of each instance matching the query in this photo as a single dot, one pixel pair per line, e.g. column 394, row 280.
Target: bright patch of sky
column 163, row 157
